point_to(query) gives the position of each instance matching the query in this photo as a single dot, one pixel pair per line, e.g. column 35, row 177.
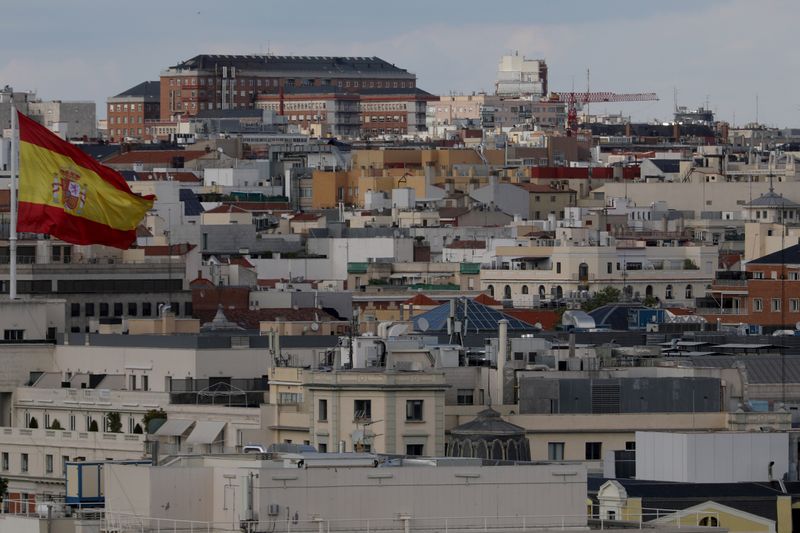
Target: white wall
column 718, row 457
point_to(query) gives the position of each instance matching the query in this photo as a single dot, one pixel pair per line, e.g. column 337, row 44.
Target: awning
column 205, row 432
column 173, row 428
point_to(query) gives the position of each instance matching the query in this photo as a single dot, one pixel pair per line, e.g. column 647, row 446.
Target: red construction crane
column 574, row 99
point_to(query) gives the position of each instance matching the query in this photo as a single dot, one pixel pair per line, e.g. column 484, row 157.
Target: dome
column 488, row 436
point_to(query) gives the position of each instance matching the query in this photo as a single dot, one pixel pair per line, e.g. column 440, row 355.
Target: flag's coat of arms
column 66, row 184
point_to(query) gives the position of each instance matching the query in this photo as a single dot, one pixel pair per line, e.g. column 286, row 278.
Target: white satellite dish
column 423, row 324
column 315, row 326
column 538, row 326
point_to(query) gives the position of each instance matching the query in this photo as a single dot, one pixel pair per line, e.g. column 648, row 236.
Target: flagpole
column 12, row 237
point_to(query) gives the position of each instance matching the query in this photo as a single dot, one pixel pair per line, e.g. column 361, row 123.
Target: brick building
column 767, row 293
column 323, row 110
column 235, row 81
column 130, row 113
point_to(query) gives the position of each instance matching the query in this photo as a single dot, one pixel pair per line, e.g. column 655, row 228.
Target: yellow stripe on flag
column 93, row 198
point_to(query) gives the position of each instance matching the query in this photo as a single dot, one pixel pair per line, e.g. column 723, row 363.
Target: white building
column 715, row 457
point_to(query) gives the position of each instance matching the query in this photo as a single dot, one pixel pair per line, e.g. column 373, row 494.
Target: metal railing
column 406, row 523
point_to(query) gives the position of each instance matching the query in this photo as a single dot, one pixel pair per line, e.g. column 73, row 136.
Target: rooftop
column 150, row 90
column 265, row 63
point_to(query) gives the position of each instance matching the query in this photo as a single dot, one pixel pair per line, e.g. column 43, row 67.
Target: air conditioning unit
column 273, row 509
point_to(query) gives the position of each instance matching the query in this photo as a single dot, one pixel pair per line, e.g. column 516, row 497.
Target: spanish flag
column 65, row 193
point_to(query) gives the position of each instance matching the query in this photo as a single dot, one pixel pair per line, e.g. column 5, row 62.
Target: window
column 555, row 451
column 103, row 309
column 362, row 409
column 145, row 382
column 132, row 308
column 322, row 447
column 776, row 305
column 708, row 521
column 72, row 422
column 794, row 305
column 147, row 309
column 630, row 445
column 322, row 410
column 64, row 461
column 668, row 292
column 48, row 464
column 593, row 451
column 609, row 267
column 75, row 309
column 794, row 276
column 464, row 397
column 758, row 305
column 415, row 449
column 118, row 309
column 23, row 462
column 758, row 275
column 5, row 461
column 414, row 410
column 88, row 309
column 558, row 267
column 689, row 291
column 132, row 382
column 13, row 334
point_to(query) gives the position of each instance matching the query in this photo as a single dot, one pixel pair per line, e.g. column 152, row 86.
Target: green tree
column 33, row 423
column 151, row 415
column 93, row 426
column 650, row 301
column 56, row 424
column 114, row 422
column 605, row 296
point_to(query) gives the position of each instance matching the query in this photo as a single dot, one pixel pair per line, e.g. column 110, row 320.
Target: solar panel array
column 481, row 318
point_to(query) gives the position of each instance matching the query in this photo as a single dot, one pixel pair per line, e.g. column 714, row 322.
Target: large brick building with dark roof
column 208, row 82
column 130, row 111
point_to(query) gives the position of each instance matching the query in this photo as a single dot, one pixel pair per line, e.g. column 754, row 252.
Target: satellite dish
column 423, row 324
column 797, row 325
column 315, row 326
column 538, row 326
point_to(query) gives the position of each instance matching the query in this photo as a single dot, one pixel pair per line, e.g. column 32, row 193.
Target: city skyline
column 716, row 52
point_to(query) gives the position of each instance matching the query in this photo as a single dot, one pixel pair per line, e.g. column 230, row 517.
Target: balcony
column 226, row 392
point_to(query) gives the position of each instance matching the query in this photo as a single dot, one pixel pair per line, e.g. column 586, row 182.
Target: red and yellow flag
column 65, row 193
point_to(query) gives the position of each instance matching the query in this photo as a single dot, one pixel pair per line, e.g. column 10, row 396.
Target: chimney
column 502, row 350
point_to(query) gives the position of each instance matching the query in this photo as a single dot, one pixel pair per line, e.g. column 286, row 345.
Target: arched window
column 542, row 291
column 490, row 288
column 583, row 272
column 559, row 292
column 648, row 291
column 689, row 292
column 668, row 292
column 708, row 521
column 524, row 289
column 507, row 292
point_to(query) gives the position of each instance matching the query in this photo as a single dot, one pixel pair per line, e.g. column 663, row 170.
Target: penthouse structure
column 234, row 81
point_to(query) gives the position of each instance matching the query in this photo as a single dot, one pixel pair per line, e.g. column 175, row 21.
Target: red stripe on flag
column 32, row 132
column 40, row 218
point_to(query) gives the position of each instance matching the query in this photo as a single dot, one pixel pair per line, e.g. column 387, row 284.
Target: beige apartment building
column 558, row 268
column 358, row 410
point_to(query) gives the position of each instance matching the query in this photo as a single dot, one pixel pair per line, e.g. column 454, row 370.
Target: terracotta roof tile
column 305, row 217
column 485, row 299
column 174, row 249
column 227, row 208
column 420, row 299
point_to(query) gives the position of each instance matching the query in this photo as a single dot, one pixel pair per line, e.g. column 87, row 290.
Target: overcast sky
column 726, row 52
